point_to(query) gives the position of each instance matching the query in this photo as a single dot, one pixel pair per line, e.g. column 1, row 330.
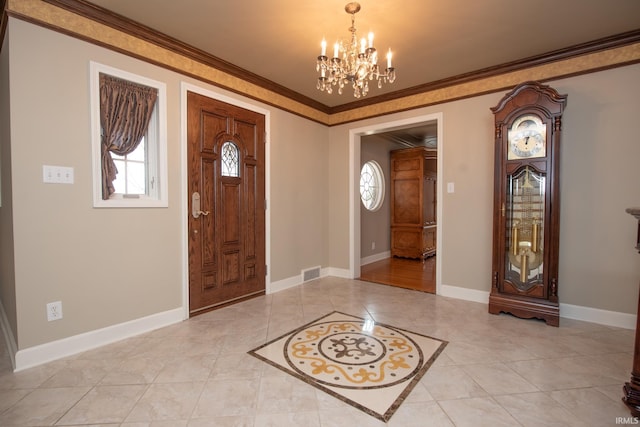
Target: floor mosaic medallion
column 369, row 365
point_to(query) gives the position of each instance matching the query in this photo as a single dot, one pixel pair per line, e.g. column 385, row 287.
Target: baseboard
column 281, row 285
column 567, row 311
column 464, row 294
column 374, row 258
column 293, row 281
column 9, row 339
column 596, row 315
column 342, row 273
column 37, row 355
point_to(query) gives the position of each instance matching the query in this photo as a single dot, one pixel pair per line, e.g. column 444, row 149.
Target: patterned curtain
column 125, row 111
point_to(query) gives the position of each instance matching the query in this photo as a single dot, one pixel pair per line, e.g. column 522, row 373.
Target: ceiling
column 279, row 40
column 417, row 135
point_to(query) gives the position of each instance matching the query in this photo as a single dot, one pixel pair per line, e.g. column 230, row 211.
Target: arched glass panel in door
column 230, row 159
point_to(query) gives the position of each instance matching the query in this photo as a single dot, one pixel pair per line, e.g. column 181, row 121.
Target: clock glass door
column 524, row 215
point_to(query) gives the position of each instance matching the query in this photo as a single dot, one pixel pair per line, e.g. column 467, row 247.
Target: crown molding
column 619, row 40
column 140, row 31
column 479, row 82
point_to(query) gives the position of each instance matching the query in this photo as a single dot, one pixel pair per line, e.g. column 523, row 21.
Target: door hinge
column 266, row 270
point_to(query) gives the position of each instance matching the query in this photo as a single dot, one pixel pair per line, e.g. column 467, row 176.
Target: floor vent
column 310, row 274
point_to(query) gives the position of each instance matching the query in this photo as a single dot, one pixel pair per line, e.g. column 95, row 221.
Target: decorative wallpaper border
column 95, row 25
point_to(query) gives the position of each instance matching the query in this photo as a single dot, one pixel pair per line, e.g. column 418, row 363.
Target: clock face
column 527, row 138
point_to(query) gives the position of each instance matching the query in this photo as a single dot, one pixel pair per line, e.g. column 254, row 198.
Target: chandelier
column 353, row 62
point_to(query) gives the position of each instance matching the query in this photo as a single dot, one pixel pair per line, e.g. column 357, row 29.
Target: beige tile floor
column 496, row 370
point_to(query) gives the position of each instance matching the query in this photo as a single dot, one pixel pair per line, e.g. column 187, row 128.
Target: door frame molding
column 184, row 193
column 355, row 135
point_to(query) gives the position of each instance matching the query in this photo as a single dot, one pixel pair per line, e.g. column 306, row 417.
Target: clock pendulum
column 525, row 255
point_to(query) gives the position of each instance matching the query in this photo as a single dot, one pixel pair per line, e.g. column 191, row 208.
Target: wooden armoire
column 413, row 202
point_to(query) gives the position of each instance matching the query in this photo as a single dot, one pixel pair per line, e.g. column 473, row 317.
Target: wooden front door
column 226, row 178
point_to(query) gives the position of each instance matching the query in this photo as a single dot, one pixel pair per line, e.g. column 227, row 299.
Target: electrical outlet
column 373, row 245
column 54, row 311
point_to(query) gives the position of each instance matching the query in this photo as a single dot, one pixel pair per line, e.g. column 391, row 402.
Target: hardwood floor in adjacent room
column 414, row 274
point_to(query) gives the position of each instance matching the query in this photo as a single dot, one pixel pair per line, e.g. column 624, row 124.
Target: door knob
column 195, row 206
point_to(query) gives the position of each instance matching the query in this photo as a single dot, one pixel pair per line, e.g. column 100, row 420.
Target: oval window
column 371, row 185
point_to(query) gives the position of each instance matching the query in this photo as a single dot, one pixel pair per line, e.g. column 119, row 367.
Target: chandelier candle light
column 354, row 62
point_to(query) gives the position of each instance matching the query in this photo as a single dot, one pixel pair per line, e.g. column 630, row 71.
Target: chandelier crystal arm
column 355, row 63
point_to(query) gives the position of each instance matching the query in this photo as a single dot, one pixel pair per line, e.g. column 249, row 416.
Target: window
column 132, row 176
column 371, row 185
column 141, row 179
column 136, row 174
column 230, row 159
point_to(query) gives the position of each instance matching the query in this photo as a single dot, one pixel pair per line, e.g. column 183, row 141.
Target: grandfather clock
column 526, row 215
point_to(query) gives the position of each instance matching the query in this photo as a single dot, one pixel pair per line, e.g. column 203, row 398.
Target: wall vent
column 310, row 274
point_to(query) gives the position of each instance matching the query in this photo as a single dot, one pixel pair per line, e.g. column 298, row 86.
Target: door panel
column 230, row 212
column 227, row 240
column 251, row 213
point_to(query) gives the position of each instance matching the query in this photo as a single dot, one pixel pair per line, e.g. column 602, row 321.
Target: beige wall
column 600, row 151
column 376, row 226
column 7, row 272
column 134, row 267
column 299, row 194
column 109, row 266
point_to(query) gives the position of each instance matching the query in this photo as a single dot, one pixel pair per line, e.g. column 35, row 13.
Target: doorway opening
column 371, row 238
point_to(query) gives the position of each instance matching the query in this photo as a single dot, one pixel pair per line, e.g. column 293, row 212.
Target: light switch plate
column 450, row 187
column 57, row 174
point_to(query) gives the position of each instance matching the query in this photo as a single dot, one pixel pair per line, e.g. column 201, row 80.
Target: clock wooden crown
column 529, row 94
column 526, row 219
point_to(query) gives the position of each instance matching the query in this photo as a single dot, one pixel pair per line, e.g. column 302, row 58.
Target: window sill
column 118, row 201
